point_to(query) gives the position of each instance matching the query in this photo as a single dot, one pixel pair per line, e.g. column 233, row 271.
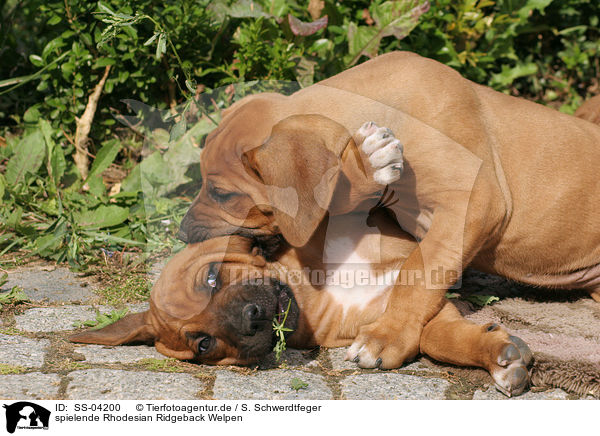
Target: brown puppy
column 215, row 303
column 490, row 180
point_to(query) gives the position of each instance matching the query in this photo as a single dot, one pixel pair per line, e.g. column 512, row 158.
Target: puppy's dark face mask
column 214, row 303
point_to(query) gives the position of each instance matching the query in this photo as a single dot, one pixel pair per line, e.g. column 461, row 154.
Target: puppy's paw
column 384, row 151
column 509, row 370
column 378, row 346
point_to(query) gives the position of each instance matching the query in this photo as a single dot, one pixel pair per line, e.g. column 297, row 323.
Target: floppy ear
column 300, row 165
column 135, row 327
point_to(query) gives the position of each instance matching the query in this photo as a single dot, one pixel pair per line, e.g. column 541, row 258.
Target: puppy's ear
column 300, row 165
column 135, row 327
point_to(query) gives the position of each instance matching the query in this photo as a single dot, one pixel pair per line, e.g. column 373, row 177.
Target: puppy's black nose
column 251, row 312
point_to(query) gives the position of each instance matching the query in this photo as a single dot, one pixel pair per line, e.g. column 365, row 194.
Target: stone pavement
column 38, row 362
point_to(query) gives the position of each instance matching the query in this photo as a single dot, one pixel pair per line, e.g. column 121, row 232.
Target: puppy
column 215, row 302
column 488, row 180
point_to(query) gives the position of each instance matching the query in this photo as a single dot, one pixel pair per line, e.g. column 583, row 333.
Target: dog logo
column 26, row 415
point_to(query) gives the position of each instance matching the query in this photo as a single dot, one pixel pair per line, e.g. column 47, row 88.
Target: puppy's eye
column 212, row 278
column 221, row 195
column 204, row 344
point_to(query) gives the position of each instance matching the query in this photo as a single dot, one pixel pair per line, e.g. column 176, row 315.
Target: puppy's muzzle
column 253, row 319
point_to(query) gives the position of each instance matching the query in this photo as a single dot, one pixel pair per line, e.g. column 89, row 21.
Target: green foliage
column 476, row 299
column 185, row 61
column 102, row 319
column 297, row 384
column 14, row 296
column 280, row 330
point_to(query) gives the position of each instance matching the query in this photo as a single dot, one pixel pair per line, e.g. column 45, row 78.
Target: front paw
column 385, row 152
column 384, row 345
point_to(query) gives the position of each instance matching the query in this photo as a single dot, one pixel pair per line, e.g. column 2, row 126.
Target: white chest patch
column 352, row 282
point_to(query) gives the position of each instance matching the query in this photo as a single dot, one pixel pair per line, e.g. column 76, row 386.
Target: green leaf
column 105, row 9
column 161, row 47
column 54, row 20
column 103, row 62
column 36, row 60
column 392, row 18
column 105, row 156
column 297, row 384
column 102, row 216
column 508, row 75
column 152, row 38
column 28, row 158
column 178, row 130
column 481, row 300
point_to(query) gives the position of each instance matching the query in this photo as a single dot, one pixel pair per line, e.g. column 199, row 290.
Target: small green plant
column 478, row 300
column 102, row 320
column 3, row 279
column 15, row 296
column 280, row 330
column 11, row 369
column 161, row 365
column 297, row 384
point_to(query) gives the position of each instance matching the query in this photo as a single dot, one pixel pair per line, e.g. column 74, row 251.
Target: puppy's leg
column 373, row 159
column 450, row 338
column 384, row 151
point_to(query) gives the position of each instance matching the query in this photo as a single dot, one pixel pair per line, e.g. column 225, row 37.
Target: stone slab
column 269, row 385
column 56, row 285
column 21, row 351
column 33, row 386
column 52, row 319
column 392, row 386
column 109, row 384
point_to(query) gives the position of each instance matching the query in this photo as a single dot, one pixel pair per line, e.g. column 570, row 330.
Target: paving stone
column 493, row 394
column 269, row 385
column 392, row 386
column 56, row 285
column 33, row 386
column 21, row 351
column 109, row 384
column 121, row 354
column 51, row 319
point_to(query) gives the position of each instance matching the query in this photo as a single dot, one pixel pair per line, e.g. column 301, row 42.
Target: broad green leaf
column 178, row 130
column 36, row 60
column 28, row 158
column 102, row 216
column 392, row 18
column 105, row 156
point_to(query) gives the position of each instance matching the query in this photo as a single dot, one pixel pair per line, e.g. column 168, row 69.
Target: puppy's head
column 266, row 174
column 214, row 303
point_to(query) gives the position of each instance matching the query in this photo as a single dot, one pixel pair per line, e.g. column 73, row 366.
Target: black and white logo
column 26, row 415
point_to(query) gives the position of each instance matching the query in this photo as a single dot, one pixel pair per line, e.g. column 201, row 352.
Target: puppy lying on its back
column 215, row 302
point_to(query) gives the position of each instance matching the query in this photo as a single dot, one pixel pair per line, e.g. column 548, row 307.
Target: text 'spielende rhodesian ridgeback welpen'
column 478, row 178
